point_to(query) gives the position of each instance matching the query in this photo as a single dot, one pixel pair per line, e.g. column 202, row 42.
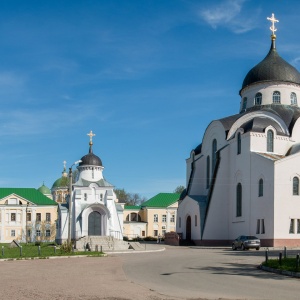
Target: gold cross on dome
column 273, row 20
column 91, row 134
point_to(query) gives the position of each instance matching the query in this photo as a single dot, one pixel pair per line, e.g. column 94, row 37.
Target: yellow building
column 25, row 213
column 153, row 218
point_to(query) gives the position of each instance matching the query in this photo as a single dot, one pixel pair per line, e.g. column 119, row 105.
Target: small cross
column 91, row 134
column 273, row 20
column 65, row 163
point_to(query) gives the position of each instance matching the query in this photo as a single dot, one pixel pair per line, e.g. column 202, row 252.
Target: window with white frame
column 276, row 97
column 48, row 233
column 155, row 218
column 172, row 219
column 38, row 217
column 258, row 99
column 155, row 232
column 293, row 99
column 48, row 217
column 164, row 218
column 38, row 232
column 12, row 232
column 13, row 217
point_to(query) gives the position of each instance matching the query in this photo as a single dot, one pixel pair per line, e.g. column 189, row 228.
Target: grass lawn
column 287, row 264
column 30, row 250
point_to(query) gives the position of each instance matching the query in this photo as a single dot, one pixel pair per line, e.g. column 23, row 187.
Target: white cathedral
column 243, row 179
column 95, row 209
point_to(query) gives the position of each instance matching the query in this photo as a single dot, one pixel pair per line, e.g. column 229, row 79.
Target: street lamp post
column 26, row 218
column 70, row 201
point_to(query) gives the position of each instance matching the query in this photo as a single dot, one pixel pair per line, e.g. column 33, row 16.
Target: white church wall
column 287, row 205
column 91, row 173
column 198, row 183
column 267, row 89
column 296, row 131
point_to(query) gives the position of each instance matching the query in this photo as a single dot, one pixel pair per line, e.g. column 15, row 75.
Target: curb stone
column 280, row 272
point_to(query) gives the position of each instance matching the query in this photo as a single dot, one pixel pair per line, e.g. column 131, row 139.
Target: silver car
column 246, row 242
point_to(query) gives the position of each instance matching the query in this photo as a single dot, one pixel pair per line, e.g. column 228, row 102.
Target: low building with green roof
column 26, row 214
column 152, row 218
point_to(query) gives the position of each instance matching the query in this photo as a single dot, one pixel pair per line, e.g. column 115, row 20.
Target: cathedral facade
column 243, row 179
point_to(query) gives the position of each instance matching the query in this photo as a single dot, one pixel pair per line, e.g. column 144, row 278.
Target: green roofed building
column 26, row 214
column 153, row 218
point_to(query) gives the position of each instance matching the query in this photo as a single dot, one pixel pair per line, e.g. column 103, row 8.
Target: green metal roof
column 29, row 194
column 61, row 182
column 162, row 200
column 132, row 207
column 44, row 190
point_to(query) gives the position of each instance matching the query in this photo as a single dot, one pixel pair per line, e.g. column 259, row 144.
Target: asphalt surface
column 175, row 273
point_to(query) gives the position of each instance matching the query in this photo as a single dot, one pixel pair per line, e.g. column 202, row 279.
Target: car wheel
column 257, row 248
column 243, row 247
column 233, row 247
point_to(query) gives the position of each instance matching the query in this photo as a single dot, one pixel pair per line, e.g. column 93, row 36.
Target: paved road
column 209, row 273
column 177, row 273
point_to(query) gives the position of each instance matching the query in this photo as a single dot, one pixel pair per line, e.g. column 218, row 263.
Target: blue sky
column 146, row 76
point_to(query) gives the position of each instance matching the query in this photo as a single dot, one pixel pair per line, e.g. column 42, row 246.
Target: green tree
column 179, row 189
column 129, row 198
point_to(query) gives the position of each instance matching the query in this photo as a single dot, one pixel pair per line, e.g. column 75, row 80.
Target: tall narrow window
column 239, row 200
column 179, row 222
column 295, row 186
column 239, row 143
column 155, row 218
column 293, row 99
column 258, row 226
column 276, row 97
column 260, row 188
column 258, row 98
column 195, row 220
column 207, row 172
column 262, row 226
column 270, row 141
column 292, row 226
column 214, row 154
column 298, row 226
column 244, row 103
column 38, row 217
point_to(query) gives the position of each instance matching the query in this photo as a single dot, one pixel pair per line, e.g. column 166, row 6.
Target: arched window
column 258, row 98
column 276, row 97
column 295, row 186
column 239, row 200
column 239, row 143
column 260, row 188
column 195, row 220
column 207, row 172
column 270, row 141
column 214, row 154
column 244, row 103
column 293, row 99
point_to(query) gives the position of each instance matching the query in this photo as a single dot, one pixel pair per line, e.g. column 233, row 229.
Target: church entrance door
column 188, row 228
column 94, row 223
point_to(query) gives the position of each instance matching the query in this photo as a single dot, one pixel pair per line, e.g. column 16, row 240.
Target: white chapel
column 95, row 209
column 243, row 179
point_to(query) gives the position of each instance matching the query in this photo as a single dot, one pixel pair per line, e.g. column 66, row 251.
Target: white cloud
column 228, row 14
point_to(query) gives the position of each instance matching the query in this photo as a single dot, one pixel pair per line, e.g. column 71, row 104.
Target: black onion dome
column 272, row 68
column 90, row 159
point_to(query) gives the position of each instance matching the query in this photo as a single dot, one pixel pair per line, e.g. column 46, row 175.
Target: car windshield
column 250, row 237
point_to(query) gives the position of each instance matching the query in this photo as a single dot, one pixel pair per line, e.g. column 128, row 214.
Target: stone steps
column 108, row 243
